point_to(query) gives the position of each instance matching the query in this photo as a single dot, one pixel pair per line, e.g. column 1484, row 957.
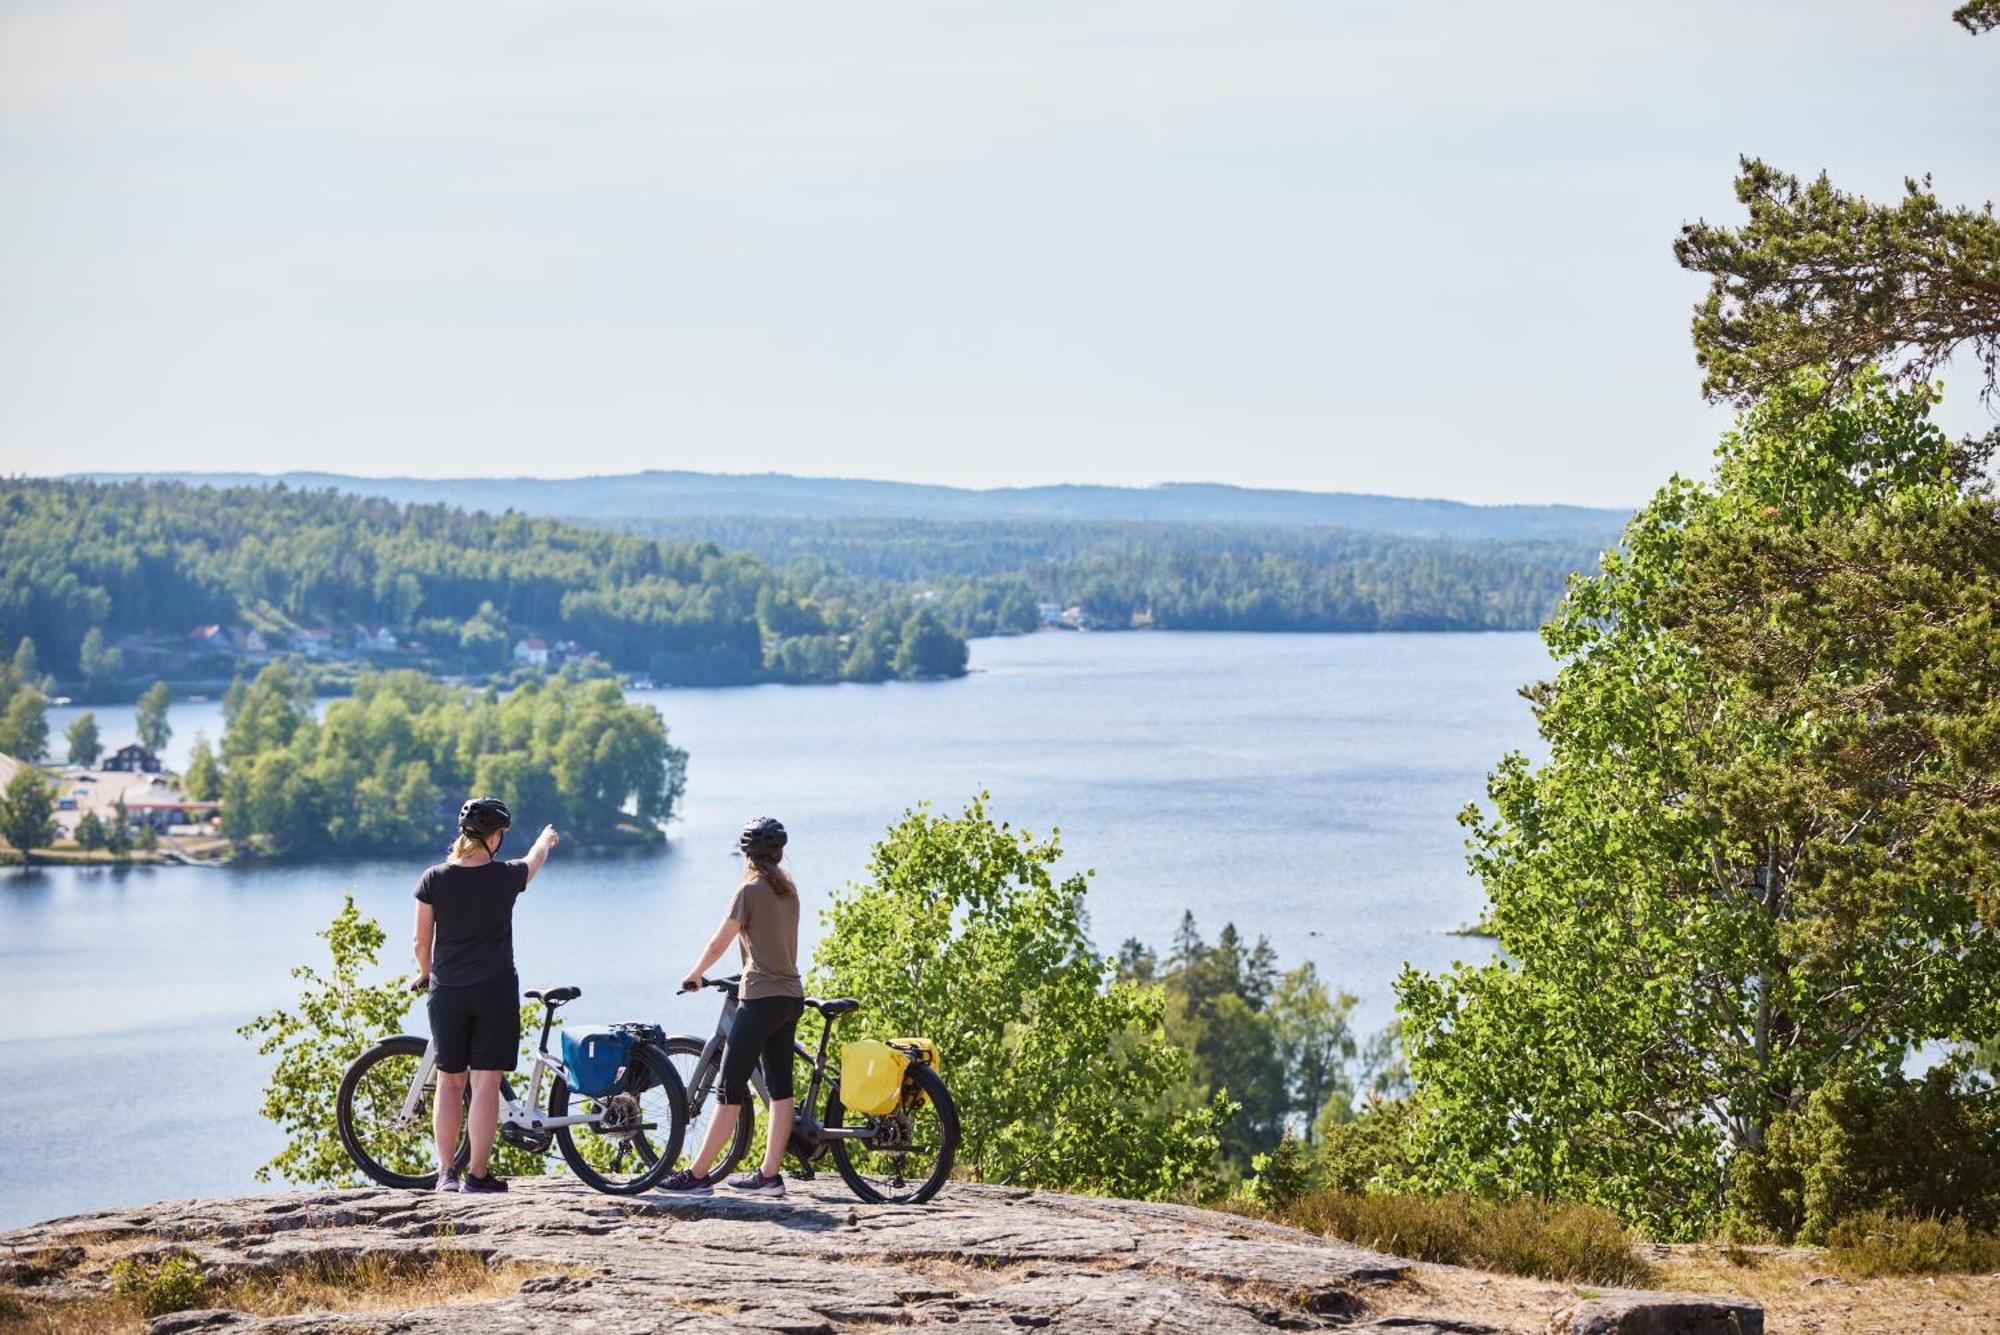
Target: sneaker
column 756, row 1184
column 685, row 1183
column 448, row 1180
column 475, row 1185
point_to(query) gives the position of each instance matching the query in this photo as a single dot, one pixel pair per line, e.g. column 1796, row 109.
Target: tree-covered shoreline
column 987, row 577
column 123, row 583
column 384, row 770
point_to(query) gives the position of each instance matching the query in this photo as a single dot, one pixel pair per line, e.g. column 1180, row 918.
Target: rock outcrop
column 1644, row 1312
column 976, row 1259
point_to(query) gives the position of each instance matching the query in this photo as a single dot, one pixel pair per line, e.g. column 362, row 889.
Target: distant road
column 662, row 495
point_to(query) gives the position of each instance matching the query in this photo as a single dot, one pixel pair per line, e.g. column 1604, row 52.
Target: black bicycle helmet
column 762, row 838
column 483, row 817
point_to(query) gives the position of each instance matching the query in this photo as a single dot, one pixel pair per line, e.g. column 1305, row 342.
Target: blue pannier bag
column 594, row 1061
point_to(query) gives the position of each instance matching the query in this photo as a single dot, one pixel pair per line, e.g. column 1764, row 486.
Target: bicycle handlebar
column 719, row 984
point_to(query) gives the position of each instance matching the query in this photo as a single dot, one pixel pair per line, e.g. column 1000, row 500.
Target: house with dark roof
column 133, row 758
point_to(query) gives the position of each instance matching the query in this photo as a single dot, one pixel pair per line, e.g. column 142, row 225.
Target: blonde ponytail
column 772, row 875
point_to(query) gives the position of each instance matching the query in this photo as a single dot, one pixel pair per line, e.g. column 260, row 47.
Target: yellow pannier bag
column 871, row 1076
column 917, row 1049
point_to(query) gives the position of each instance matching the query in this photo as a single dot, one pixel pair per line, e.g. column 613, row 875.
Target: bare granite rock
column 1641, row 1312
column 976, row 1259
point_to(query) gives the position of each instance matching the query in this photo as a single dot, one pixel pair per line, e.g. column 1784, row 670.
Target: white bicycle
column 623, row 1139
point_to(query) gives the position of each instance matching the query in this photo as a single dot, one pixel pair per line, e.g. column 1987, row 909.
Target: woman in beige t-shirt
column 763, row 920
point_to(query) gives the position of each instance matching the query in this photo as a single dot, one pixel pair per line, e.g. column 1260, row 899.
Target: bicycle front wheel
column 392, row 1149
column 704, row 1096
column 639, row 1139
column 906, row 1155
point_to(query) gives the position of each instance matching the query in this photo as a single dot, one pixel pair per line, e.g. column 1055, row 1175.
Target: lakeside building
column 533, row 651
column 156, row 801
column 133, row 758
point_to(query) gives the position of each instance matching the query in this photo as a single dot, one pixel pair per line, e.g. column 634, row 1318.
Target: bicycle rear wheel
column 907, row 1155
column 639, row 1141
column 368, row 1113
column 704, row 1096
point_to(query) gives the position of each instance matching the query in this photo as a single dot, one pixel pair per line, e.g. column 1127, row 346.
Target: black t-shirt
column 475, row 919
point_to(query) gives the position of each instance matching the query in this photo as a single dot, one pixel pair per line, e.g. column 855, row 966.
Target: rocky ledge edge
column 978, row 1258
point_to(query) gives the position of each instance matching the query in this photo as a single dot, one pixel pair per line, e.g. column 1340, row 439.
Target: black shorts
column 762, row 1028
column 478, row 1025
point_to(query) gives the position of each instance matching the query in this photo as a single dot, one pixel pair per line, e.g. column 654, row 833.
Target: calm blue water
column 1303, row 786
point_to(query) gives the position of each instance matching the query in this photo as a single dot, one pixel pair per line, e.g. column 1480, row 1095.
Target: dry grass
column 321, row 1284
column 1804, row 1289
column 1780, row 1279
column 1524, row 1237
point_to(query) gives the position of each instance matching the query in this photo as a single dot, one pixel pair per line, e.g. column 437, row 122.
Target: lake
column 1302, row 786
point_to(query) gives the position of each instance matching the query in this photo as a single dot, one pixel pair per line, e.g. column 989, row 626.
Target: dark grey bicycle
column 901, row 1154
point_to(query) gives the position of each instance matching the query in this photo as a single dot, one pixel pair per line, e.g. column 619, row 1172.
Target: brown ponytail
column 772, row 874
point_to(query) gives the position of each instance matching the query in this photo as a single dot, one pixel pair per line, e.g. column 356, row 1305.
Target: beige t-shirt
column 769, row 940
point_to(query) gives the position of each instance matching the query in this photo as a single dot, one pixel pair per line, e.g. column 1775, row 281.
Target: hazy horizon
column 596, row 475
column 1352, row 247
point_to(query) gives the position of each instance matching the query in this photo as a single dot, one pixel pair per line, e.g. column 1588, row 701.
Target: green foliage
column 963, row 934
column 1761, row 848
column 160, row 1284
column 84, row 744
column 1977, row 16
column 385, row 768
column 1927, row 1148
column 27, row 811
column 1315, row 1044
column 338, row 1017
column 1279, row 1048
column 89, row 832
column 986, row 577
column 97, row 665
column 25, row 724
column 928, row 649
column 1879, row 1243
column 1217, row 1003
column 1819, row 278
column 203, row 780
column 118, row 830
column 82, row 563
column 1366, row 1151
column 1284, row 1175
column 151, row 717
column 1559, row 1240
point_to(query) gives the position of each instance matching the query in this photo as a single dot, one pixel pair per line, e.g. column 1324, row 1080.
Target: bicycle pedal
column 803, row 1175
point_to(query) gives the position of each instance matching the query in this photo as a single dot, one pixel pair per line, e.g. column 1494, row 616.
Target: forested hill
column 991, row 577
column 104, row 577
column 664, row 495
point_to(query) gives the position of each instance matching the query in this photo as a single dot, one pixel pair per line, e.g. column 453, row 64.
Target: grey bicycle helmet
column 483, row 817
column 762, row 838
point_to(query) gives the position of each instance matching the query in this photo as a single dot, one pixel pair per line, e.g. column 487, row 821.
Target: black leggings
column 762, row 1028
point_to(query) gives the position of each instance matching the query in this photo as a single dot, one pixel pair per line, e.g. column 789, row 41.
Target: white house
column 532, row 651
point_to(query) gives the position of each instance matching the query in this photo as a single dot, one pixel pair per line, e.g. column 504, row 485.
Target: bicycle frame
column 805, row 1121
column 521, row 1114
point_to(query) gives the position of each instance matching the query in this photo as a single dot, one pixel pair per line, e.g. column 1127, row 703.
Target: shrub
column 1282, row 1176
column 1358, row 1153
column 1880, row 1243
column 1549, row 1240
column 169, row 1283
column 1926, row 1148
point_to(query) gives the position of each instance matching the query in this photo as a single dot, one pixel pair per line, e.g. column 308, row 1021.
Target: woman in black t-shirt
column 465, row 959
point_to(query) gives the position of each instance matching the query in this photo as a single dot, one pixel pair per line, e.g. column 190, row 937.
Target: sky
column 1356, row 246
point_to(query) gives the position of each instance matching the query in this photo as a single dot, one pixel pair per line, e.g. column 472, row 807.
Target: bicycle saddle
column 555, row 996
column 833, row 1006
